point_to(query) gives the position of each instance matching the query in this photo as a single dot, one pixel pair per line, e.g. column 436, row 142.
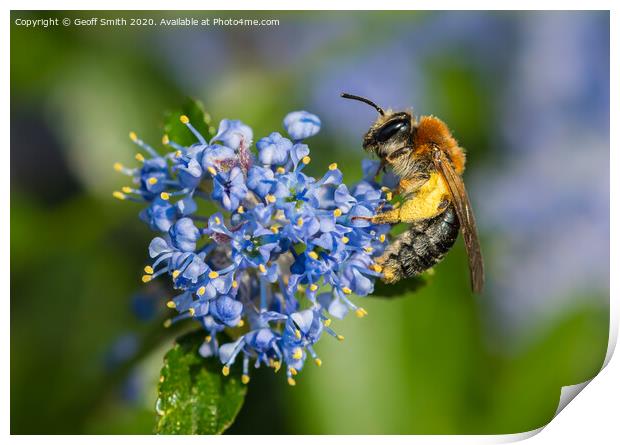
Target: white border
column 591, row 417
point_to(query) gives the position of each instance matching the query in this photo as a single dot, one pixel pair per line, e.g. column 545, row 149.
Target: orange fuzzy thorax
column 433, row 131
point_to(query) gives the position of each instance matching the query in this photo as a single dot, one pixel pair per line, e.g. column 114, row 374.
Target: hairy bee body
column 421, row 247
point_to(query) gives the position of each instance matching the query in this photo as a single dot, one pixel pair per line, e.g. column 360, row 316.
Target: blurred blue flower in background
column 283, row 238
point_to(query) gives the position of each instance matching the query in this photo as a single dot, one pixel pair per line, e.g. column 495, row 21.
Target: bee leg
column 389, row 217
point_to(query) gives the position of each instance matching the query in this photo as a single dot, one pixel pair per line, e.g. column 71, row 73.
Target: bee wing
column 466, row 218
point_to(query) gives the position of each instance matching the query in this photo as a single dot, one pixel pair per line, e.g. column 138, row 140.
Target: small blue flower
column 233, row 134
column 273, row 149
column 229, row 188
column 301, row 124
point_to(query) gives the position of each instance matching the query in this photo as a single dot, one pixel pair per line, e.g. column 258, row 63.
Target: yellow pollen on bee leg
column 262, row 268
column 313, row 255
column 376, row 268
column 360, row 312
column 318, row 362
column 139, row 157
column 333, row 166
column 337, row 213
column 184, row 119
column 146, row 278
column 245, row 379
column 171, row 304
column 165, row 196
column 213, row 275
column 225, row 370
column 291, row 381
column 118, row 166
column 165, row 139
column 133, row 136
column 313, row 287
column 346, row 290
column 297, row 353
column 148, row 269
column 152, row 180
column 306, row 160
column 176, row 273
column 201, row 291
column 119, row 195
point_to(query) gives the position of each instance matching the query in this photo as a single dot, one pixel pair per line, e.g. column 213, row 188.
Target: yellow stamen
column 152, row 180
column 165, row 196
column 118, row 166
column 165, row 139
column 274, row 229
column 161, row 379
column 360, row 312
column 368, row 249
column 318, row 362
column 192, row 311
column 270, row 198
column 176, row 273
column 240, row 209
column 167, row 323
column 127, row 189
column 184, row 119
column 337, row 213
column 245, row 379
column 201, row 291
column 213, row 275
column 382, row 238
column 276, row 366
column 300, row 222
column 280, row 170
column 346, row 290
column 297, row 334
column 313, row 287
column 297, row 353
column 148, row 269
column 146, row 278
column 235, row 284
column 241, row 324
column 292, row 370
column 291, row 381
column 313, row 255
column 306, row 160
column 133, row 136
column 388, row 196
column 208, row 339
column 376, row 268
column 344, row 239
column 300, row 288
column 262, row 268
column 218, row 220
column 333, row 166
column 119, row 195
column 178, row 154
column 139, row 157
column 340, row 337
column 225, row 370
column 327, row 322
column 212, row 170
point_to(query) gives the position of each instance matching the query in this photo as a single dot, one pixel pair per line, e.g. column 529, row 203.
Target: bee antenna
column 363, row 99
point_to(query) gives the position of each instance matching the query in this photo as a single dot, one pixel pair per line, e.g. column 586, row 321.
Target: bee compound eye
column 390, row 129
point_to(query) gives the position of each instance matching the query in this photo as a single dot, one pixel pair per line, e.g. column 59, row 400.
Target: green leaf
column 193, row 395
column 400, row 288
column 200, row 120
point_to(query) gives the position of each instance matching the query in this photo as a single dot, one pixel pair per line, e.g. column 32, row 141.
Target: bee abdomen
column 421, row 247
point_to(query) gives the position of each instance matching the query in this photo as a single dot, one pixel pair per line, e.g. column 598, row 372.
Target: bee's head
column 390, row 133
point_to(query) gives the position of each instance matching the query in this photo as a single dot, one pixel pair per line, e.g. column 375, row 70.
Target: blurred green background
column 527, row 93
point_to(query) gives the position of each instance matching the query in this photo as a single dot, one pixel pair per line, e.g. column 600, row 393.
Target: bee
column 429, row 163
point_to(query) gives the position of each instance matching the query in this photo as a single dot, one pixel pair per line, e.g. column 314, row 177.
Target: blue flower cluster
column 284, row 254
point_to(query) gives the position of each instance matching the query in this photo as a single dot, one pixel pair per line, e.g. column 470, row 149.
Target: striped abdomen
column 421, row 247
